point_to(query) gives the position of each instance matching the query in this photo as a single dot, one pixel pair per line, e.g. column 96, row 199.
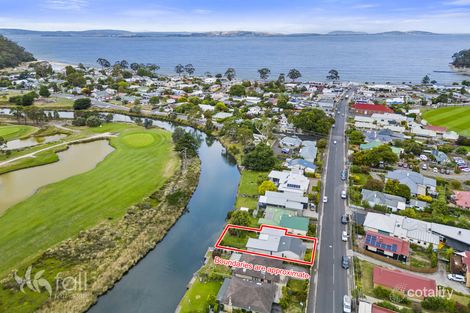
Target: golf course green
column 11, row 132
column 454, row 118
column 142, row 162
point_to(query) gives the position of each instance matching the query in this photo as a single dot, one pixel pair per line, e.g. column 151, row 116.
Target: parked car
column 325, row 199
column 424, row 166
column 344, row 236
column 456, row 277
column 285, row 150
column 423, row 157
column 345, row 262
column 343, row 175
column 435, row 170
column 343, row 194
column 334, row 141
column 344, row 219
column 346, row 304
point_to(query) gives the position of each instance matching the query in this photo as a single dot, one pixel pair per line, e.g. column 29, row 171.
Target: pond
column 32, row 141
column 19, row 185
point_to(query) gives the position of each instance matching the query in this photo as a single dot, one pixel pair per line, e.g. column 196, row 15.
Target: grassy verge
column 63, row 209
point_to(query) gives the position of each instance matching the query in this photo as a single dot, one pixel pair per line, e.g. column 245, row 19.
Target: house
column 289, row 181
column 369, row 109
column 383, row 135
column 392, row 247
column 440, row 156
column 237, row 293
column 258, row 276
column 290, row 142
column 309, row 150
column 306, row 166
column 454, row 237
column 272, row 241
column 293, row 202
column 409, row 284
column 405, row 228
column 418, row 184
column 221, row 115
column 373, row 198
column 285, row 218
column 462, row 199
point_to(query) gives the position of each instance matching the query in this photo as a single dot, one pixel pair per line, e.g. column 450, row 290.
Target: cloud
column 365, row 6
column 459, row 2
column 66, row 4
column 202, row 11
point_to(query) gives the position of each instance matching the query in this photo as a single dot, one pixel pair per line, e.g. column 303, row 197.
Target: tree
column 135, row 66
column 412, row 147
column 333, row 75
column 230, row 73
column 264, row 73
column 124, row 64
column 185, row 143
column 393, row 187
column 103, row 63
column 313, row 120
column 461, row 59
column 189, row 68
column 356, row 137
column 426, row 80
column 375, row 157
column 17, row 112
column 237, row 90
column 93, row 121
column 179, row 69
column 282, row 78
column 28, row 99
column 267, row 185
column 82, row 104
column 374, row 184
column 44, row 92
column 261, row 158
column 294, row 74
column 11, row 54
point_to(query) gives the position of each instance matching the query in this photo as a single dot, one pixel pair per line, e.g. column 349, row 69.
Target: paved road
column 330, row 284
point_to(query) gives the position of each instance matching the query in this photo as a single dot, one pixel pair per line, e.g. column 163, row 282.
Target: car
column 435, row 170
column 466, row 169
column 343, row 194
column 334, row 141
column 405, row 165
column 333, row 125
column 345, row 262
column 325, row 199
column 456, row 277
column 344, row 219
column 343, row 175
column 346, row 304
column 424, row 166
column 344, row 236
column 285, row 150
column 423, row 157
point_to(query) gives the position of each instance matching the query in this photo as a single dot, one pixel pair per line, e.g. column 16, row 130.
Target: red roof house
column 369, row 109
column 437, row 129
column 392, row 247
column 462, row 199
column 410, row 284
column 466, row 261
column 378, row 309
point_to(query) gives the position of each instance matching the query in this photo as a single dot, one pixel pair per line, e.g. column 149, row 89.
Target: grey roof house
column 393, row 202
column 237, row 293
column 418, row 184
column 273, row 241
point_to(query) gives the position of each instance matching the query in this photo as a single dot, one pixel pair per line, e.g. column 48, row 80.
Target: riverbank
column 106, row 252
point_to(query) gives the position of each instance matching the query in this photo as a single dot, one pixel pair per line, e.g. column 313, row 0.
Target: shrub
column 82, row 104
column 425, row 198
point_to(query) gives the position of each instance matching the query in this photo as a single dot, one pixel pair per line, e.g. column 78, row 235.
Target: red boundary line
column 228, row 226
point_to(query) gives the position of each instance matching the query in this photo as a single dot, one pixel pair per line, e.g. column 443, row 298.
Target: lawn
column 60, row 210
column 196, row 300
column 248, row 189
column 364, row 276
column 12, row 132
column 454, row 118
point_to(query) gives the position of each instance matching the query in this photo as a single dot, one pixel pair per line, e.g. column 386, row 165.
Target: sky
column 274, row 16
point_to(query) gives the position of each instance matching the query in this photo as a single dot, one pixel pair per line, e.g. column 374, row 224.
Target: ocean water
column 361, row 58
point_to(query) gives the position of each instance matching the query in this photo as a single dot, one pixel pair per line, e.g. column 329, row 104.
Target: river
column 158, row 282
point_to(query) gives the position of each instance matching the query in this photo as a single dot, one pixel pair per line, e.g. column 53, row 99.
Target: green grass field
column 249, row 182
column 454, row 118
column 12, row 132
column 137, row 167
column 196, row 299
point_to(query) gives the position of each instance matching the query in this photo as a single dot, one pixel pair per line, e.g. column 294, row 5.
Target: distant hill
column 12, row 54
column 124, row 33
